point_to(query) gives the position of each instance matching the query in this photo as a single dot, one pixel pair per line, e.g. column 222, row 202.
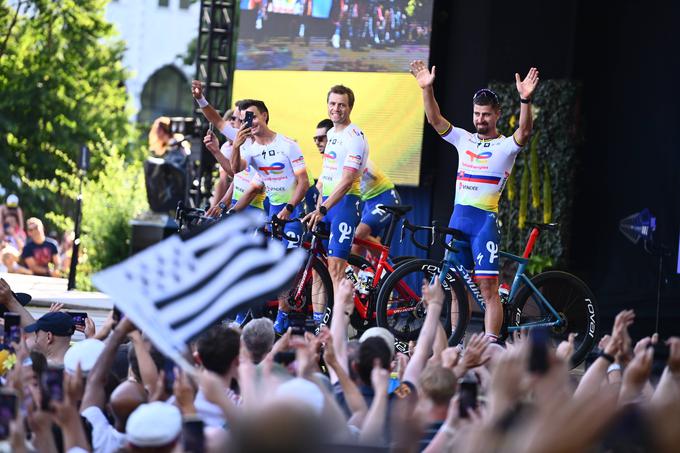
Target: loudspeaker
column 146, row 233
column 166, row 183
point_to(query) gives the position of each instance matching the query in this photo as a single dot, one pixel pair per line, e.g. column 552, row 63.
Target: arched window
column 165, row 93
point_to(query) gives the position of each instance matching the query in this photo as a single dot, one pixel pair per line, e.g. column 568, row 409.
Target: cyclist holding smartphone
column 485, row 161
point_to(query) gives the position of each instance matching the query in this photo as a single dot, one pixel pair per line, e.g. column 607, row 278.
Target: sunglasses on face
column 486, row 93
column 319, row 138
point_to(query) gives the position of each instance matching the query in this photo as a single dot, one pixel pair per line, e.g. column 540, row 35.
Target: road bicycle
column 555, row 300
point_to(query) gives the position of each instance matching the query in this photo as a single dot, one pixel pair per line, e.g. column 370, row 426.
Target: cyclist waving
column 485, row 161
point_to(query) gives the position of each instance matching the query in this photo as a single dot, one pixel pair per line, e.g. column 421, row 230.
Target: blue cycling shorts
column 480, row 229
column 311, row 197
column 343, row 219
column 293, row 227
column 375, row 217
column 249, row 208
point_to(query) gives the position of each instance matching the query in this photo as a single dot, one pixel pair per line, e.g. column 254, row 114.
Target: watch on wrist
column 323, row 210
column 290, row 208
column 608, row 357
column 525, row 101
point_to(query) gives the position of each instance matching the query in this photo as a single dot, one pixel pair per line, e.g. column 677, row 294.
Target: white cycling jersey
column 346, row 149
column 484, row 166
column 277, row 163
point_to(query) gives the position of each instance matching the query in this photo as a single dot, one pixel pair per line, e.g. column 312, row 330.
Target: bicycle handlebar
column 415, row 228
column 278, row 224
column 437, row 234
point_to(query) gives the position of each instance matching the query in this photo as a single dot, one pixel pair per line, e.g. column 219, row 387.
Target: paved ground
column 45, row 291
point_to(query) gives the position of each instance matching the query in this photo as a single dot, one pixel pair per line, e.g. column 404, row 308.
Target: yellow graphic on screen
column 388, row 108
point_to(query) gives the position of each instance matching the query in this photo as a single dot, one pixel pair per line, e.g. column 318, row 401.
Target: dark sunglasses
column 486, row 93
column 318, row 138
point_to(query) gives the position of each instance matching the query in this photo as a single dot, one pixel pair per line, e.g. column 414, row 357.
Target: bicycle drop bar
column 415, row 228
column 437, row 235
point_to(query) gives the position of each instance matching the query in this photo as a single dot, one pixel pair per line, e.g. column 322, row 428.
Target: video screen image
column 333, row 35
column 290, row 52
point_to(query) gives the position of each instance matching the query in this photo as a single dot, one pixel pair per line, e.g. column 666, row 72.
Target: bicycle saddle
column 398, row 210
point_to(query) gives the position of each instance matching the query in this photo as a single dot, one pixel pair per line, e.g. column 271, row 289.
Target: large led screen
column 290, row 52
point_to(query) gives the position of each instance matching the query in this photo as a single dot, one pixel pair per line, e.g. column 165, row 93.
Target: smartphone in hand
column 248, row 121
column 538, row 355
column 78, row 318
column 8, row 410
column 193, row 437
column 12, row 328
column 467, row 395
column 169, row 376
column 51, row 386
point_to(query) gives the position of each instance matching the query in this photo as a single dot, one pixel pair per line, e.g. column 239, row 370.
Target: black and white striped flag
column 176, row 289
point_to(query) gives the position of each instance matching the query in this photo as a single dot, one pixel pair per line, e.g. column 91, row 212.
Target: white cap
column 302, row 391
column 12, row 201
column 153, row 425
column 380, row 332
column 86, row 353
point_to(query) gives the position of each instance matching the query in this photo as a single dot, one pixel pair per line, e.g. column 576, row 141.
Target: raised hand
column 566, row 348
column 196, row 89
column 345, row 296
column 380, row 378
column 674, row 356
column 55, row 306
column 527, row 86
column 241, row 136
column 474, row 356
column 211, row 143
column 639, row 369
column 90, row 330
column 423, row 76
column 184, row 393
column 433, row 293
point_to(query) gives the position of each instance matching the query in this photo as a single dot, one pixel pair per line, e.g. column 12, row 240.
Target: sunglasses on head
column 486, row 93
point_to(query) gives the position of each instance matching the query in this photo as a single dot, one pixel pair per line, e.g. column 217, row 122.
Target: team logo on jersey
column 299, row 159
column 330, row 155
column 274, row 169
column 355, row 157
column 481, row 158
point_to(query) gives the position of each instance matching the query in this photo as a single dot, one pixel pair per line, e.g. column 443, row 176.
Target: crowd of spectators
column 249, row 391
column 24, row 247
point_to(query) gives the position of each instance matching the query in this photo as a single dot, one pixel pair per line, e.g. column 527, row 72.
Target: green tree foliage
column 62, row 84
column 523, row 196
column 545, row 195
column 535, row 177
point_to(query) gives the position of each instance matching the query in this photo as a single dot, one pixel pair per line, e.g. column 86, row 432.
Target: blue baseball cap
column 59, row 323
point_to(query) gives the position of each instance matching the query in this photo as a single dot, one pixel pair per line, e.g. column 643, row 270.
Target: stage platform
column 47, row 290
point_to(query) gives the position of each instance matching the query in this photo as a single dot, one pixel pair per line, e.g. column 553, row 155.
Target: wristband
column 290, row 208
column 446, row 429
column 525, row 101
column 202, row 102
column 613, row 367
column 323, row 210
column 608, row 357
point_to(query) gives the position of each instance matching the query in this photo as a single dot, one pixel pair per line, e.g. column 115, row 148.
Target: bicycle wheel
column 318, row 287
column 574, row 302
column 358, row 322
column 400, row 308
